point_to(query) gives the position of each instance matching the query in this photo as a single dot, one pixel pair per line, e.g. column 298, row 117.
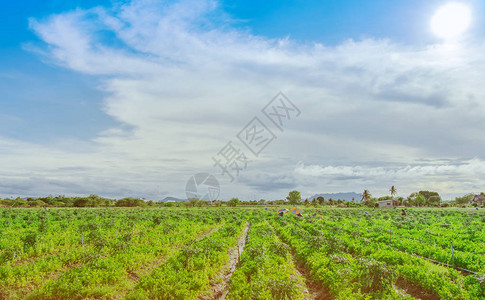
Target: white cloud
column 474, row 167
column 182, row 82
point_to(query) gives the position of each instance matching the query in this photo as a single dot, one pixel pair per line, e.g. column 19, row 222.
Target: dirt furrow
column 220, row 285
column 414, row 290
column 315, row 289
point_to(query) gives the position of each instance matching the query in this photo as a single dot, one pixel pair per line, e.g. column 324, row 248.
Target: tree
column 294, row 197
column 321, row 200
column 314, row 202
column 393, row 191
column 81, row 202
column 233, row 202
column 411, row 199
column 194, row 202
column 130, row 202
column 366, row 197
column 420, row 200
column 434, row 201
column 306, row 202
column 416, row 199
column 464, row 200
column 19, row 202
column 424, row 198
column 430, row 198
column 34, row 203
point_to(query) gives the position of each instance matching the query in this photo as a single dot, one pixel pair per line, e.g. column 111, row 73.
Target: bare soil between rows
column 220, row 286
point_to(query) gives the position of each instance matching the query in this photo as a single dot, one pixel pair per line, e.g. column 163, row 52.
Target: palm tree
column 393, row 191
column 366, row 196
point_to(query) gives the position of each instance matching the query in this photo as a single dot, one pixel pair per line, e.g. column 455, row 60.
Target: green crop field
column 241, row 253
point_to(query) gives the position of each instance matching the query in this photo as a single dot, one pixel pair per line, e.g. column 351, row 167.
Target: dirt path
column 220, row 286
column 414, row 290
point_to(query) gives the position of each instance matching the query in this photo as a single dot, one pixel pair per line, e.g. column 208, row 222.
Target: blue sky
column 32, row 89
column 95, row 91
column 75, row 99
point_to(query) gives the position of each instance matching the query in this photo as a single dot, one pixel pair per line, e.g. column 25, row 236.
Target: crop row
column 467, row 253
column 352, row 267
column 103, row 260
column 189, row 272
column 267, row 270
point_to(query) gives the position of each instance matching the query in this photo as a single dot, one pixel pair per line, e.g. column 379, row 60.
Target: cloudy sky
column 127, row 98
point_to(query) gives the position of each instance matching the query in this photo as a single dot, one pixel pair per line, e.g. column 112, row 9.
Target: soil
column 415, row 290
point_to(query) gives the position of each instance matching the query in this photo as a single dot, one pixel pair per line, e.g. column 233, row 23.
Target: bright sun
column 451, row 20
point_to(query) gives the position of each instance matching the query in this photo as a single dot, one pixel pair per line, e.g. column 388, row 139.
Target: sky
column 133, row 98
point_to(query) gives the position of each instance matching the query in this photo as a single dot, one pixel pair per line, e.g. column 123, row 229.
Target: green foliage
column 233, row 202
column 423, row 198
column 464, row 200
column 130, row 202
column 294, row 197
column 367, row 199
column 30, row 239
column 147, row 252
column 266, row 270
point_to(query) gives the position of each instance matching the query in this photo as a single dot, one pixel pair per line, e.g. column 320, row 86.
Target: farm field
column 241, row 253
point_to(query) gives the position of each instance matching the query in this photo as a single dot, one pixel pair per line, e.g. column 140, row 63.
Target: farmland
column 241, row 253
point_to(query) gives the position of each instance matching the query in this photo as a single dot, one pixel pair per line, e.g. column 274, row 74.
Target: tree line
column 416, row 199
column 63, row 201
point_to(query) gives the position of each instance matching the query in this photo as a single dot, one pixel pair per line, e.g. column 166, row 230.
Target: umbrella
column 283, row 210
column 296, row 210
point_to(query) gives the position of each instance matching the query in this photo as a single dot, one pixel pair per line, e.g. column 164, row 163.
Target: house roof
column 478, row 198
column 383, row 201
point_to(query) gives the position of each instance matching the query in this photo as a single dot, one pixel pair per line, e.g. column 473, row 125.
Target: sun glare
column 451, row 20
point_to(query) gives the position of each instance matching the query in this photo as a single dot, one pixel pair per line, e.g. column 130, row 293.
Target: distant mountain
column 173, row 199
column 336, row 196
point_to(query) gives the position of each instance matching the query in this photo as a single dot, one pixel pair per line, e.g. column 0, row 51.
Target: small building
column 478, row 199
column 386, row 204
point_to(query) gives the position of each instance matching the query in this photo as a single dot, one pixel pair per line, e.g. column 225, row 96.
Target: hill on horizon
column 166, row 199
column 335, row 196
